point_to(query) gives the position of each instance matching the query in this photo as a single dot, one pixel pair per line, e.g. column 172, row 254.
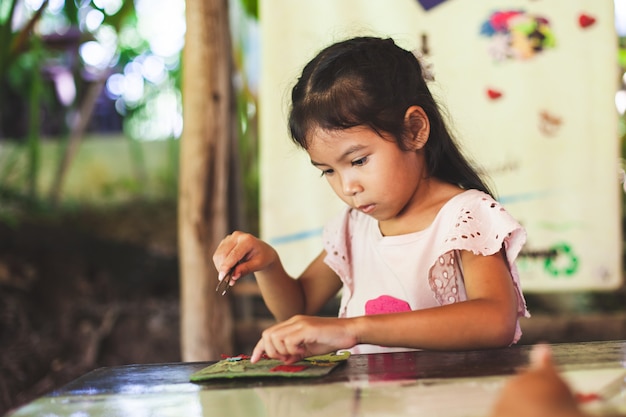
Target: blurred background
column 90, row 121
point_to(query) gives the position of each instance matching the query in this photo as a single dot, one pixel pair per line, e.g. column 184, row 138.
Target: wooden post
column 203, row 215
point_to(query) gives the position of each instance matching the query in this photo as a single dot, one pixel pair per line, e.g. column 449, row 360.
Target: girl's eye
column 327, row 172
column 359, row 162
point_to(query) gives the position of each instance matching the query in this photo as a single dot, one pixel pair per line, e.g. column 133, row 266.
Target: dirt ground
column 88, row 289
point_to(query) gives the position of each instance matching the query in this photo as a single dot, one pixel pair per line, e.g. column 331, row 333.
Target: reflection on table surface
column 411, row 383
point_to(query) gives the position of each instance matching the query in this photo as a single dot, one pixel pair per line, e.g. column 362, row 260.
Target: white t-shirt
column 386, row 274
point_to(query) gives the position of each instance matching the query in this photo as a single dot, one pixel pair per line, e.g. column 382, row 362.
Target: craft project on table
column 241, row 367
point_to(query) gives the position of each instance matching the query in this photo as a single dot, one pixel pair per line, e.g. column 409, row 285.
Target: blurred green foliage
column 25, row 54
column 28, row 162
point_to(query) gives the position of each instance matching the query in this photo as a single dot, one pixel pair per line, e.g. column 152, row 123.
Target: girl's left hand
column 302, row 336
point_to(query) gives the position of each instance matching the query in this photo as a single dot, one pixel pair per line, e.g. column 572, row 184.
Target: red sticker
column 288, row 368
column 238, row 357
column 494, row 94
column 584, row 20
column 583, row 398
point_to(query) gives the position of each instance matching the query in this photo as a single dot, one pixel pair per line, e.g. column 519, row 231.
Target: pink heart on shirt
column 386, row 304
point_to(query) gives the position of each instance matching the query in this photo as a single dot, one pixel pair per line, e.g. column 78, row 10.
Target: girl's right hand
column 243, row 252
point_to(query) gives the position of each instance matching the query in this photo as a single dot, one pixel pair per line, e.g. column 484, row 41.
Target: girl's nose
column 351, row 187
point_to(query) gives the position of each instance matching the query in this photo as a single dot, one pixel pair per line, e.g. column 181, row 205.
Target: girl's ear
column 418, row 127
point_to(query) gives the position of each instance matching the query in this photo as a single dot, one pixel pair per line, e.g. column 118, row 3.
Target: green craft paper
column 316, row 366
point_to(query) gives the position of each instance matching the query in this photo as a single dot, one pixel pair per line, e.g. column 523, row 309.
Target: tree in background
column 215, row 194
column 206, row 151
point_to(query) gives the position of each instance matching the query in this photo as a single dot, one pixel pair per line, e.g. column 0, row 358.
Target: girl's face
column 367, row 172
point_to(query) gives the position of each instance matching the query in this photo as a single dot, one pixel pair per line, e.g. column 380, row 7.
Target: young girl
column 423, row 254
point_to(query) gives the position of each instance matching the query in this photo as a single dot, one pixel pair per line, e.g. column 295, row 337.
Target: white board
column 542, row 123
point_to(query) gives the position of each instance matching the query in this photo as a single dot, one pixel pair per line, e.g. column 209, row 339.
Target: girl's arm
column 284, row 295
column 486, row 320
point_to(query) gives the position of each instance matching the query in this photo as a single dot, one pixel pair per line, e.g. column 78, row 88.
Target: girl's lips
column 368, row 208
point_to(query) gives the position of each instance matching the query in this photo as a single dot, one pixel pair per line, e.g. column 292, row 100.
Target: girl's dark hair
column 368, row 81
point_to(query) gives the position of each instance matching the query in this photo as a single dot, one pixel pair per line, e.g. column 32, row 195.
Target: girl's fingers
column 294, row 343
column 279, row 342
column 258, row 351
column 265, row 345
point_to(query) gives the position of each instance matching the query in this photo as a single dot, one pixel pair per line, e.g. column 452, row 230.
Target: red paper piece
column 587, row 398
column 584, row 20
column 289, row 368
column 240, row 356
column 494, row 94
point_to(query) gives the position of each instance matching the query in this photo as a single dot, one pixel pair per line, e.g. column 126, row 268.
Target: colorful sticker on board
column 429, row 4
column 517, row 35
column 549, row 123
column 564, row 263
column 494, row 94
column 585, row 20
